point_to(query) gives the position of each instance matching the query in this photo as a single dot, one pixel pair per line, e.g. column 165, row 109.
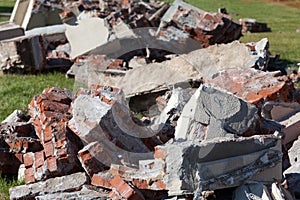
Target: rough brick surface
column 49, row 114
column 255, row 86
column 124, row 190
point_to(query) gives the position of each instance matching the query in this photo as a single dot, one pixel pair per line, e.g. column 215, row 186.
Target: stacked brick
column 17, row 138
column 49, row 113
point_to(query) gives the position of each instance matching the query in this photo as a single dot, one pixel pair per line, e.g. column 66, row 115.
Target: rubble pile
column 203, row 141
column 252, row 26
column 52, row 32
column 166, row 105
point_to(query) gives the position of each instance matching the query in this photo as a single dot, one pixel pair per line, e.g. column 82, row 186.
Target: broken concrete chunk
column 291, row 130
column 294, row 153
column 73, row 182
column 92, row 31
column 210, row 165
column 213, row 113
column 30, row 14
column 106, row 120
column 148, row 81
column 10, row 30
column 15, row 116
column 252, row 190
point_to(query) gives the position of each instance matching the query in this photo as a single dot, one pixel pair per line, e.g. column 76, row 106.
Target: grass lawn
column 16, row 91
column 5, row 184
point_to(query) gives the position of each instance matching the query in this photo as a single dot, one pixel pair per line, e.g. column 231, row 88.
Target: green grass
column 16, row 91
column 6, row 6
column 5, row 184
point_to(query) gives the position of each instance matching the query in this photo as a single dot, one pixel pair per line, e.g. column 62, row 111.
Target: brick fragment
column 49, row 149
column 102, row 179
column 28, row 159
column 29, row 175
column 256, row 86
column 39, row 158
column 124, row 190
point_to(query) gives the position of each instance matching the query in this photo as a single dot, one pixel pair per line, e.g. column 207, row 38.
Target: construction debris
column 162, row 108
column 252, row 26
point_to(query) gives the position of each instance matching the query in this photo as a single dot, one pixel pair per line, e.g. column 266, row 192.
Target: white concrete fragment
column 89, row 34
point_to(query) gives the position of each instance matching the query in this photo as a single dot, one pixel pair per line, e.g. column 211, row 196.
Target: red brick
column 160, row 152
column 59, row 130
column 49, row 149
column 62, row 152
column 102, row 180
column 29, row 175
column 47, row 131
column 52, row 164
column 39, row 158
column 125, row 190
column 255, row 86
column 91, row 164
column 60, row 143
column 144, row 184
column 28, row 159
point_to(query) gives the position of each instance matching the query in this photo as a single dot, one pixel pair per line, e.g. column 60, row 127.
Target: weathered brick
column 91, row 164
column 49, row 149
column 28, row 159
column 102, row 179
column 52, row 165
column 62, row 152
column 255, row 86
column 39, row 158
column 29, row 175
column 124, row 189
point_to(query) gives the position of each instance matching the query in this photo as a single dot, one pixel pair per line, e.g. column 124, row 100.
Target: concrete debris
column 10, row 30
column 212, row 113
column 96, row 36
column 31, row 14
column 253, row 190
column 123, row 158
column 185, row 69
column 252, row 26
column 206, row 28
column 29, row 53
column 53, row 185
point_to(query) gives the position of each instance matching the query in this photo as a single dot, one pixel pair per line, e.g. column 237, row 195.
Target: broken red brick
column 39, row 158
column 28, row 159
column 102, row 180
column 160, row 152
column 145, row 184
column 49, row 149
column 52, row 164
column 256, row 85
column 29, row 175
column 124, row 189
column 91, row 164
